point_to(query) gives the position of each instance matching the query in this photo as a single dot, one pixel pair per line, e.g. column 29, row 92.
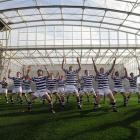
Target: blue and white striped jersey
column 71, row 77
column 88, row 81
column 133, row 82
column 61, row 82
column 26, row 85
column 118, row 81
column 17, row 81
column 103, row 81
column 40, row 82
column 51, row 83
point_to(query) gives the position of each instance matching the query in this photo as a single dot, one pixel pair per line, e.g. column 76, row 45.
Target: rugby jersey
column 71, row 77
column 103, row 81
column 17, row 81
column 51, row 83
column 4, row 84
column 40, row 82
column 61, row 82
column 117, row 82
column 26, row 85
column 133, row 82
column 88, row 81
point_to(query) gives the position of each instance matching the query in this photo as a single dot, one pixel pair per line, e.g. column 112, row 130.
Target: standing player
column 4, row 89
column 118, row 86
column 71, row 81
column 103, row 86
column 88, row 85
column 133, row 84
column 17, row 86
column 41, row 92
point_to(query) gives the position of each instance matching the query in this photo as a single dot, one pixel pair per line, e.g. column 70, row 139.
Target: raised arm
column 63, row 65
column 78, row 65
column 126, row 74
column 112, row 75
column 139, row 71
column 112, row 66
column 9, row 74
column 47, row 71
column 23, row 71
column 95, row 68
column 57, row 75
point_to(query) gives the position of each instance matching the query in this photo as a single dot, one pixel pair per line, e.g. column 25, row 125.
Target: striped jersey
column 88, row 81
column 4, row 84
column 103, row 81
column 51, row 83
column 133, row 82
column 118, row 81
column 40, row 82
column 61, row 82
column 71, row 77
column 26, row 85
column 17, row 81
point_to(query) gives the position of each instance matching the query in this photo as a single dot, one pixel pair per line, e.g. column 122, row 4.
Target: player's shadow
column 126, row 123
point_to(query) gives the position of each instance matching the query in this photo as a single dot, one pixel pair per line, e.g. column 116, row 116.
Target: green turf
column 70, row 124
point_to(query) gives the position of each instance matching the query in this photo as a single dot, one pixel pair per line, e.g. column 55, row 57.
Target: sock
column 113, row 105
column 6, row 99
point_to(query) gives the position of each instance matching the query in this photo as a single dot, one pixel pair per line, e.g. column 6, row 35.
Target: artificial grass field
column 70, row 124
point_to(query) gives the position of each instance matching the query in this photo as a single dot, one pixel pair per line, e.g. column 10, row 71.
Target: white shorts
column 134, row 90
column 61, row 90
column 120, row 90
column 52, row 91
column 40, row 93
column 3, row 90
column 27, row 91
column 71, row 89
column 88, row 90
column 104, row 91
column 17, row 90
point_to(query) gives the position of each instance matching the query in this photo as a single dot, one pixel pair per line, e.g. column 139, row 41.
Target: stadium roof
column 122, row 15
column 104, row 29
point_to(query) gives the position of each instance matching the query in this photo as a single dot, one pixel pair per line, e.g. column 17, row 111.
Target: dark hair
column 39, row 70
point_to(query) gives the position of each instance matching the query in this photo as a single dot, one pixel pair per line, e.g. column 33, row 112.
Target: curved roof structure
column 119, row 15
column 45, row 31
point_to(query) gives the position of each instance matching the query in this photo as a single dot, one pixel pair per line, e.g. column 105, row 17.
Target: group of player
column 71, row 84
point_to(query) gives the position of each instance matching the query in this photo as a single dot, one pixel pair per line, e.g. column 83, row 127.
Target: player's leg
column 49, row 99
column 112, row 99
column 6, row 95
column 33, row 97
column 58, row 97
column 99, row 94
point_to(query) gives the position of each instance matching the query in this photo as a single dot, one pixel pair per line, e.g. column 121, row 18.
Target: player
column 41, row 92
column 87, row 85
column 133, row 84
column 4, row 89
column 118, row 86
column 103, row 86
column 17, row 86
column 51, row 87
column 71, row 81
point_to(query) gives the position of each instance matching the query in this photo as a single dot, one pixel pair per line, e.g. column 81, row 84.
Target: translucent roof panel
column 109, row 14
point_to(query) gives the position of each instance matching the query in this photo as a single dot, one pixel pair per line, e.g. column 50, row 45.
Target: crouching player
column 103, row 86
column 133, row 84
column 17, row 87
column 118, row 86
column 4, row 89
column 41, row 92
column 71, row 81
column 51, row 88
column 87, row 85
